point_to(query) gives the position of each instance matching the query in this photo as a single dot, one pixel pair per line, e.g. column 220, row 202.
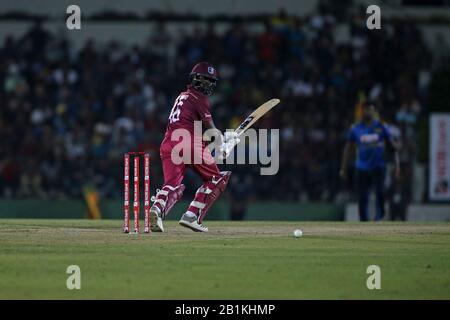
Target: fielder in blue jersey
column 370, row 137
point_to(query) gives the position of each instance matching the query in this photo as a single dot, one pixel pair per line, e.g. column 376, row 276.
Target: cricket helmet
column 204, row 77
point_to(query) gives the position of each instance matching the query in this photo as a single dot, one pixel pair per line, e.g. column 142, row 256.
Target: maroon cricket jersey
column 189, row 106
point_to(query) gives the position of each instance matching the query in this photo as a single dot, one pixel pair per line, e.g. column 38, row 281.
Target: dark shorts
column 371, row 178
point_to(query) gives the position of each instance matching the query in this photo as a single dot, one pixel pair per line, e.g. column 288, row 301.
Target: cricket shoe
column 190, row 220
column 156, row 224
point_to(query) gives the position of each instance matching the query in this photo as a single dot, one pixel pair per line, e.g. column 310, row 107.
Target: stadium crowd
column 67, row 116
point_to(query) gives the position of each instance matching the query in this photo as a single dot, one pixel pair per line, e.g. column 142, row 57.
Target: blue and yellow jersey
column 370, row 142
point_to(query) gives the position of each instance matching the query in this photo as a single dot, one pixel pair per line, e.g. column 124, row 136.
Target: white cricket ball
column 298, row 233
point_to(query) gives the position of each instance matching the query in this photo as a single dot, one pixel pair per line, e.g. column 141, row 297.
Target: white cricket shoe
column 156, row 224
column 189, row 220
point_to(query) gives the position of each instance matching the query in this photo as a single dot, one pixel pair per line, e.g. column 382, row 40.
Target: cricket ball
column 298, row 233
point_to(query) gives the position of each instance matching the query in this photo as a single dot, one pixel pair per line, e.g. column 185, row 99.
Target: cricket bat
column 253, row 117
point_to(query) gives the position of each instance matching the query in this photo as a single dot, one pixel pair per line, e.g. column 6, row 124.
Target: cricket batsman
column 370, row 136
column 191, row 107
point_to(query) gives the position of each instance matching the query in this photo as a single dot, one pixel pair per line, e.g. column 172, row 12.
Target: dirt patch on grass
column 110, row 231
column 268, row 229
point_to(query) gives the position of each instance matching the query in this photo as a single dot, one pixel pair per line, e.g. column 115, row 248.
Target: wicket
column 136, row 193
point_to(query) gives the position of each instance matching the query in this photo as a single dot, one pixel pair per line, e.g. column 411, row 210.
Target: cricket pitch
column 235, row 260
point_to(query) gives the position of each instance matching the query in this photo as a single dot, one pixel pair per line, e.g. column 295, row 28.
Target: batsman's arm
column 225, row 142
column 209, row 125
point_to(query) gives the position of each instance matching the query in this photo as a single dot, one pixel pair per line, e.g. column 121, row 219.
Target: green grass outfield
column 235, row 260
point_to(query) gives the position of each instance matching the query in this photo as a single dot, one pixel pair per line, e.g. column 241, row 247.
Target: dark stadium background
column 69, row 109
